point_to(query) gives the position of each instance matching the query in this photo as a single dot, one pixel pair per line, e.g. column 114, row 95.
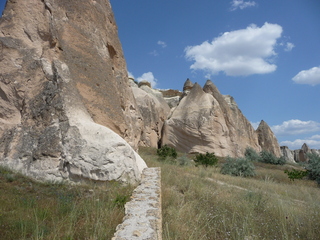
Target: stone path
column 143, row 219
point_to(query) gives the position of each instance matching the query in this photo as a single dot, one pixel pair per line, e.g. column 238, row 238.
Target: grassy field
column 201, row 203
column 32, row 210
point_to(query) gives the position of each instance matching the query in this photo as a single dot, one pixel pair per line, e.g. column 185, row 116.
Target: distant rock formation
column 64, row 94
column 154, row 110
column 205, row 120
column 267, row 139
column 298, row 155
column 287, row 154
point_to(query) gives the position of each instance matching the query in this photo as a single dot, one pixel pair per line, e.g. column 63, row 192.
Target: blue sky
column 265, row 54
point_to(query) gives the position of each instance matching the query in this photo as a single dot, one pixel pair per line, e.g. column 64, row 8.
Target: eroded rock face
column 287, row 154
column 206, row 121
column 154, row 110
column 267, row 139
column 64, row 93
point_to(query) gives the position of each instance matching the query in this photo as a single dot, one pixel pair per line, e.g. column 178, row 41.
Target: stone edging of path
column 143, row 217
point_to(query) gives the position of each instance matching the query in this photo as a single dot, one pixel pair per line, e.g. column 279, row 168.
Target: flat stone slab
column 143, row 217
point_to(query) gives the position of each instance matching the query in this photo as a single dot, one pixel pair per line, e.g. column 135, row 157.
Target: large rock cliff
column 66, row 105
column 207, row 121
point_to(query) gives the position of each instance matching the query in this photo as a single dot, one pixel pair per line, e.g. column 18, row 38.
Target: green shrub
column 267, row 157
column 313, row 167
column 121, row 201
column 251, row 154
column 208, row 159
column 238, row 167
column 166, row 151
column 296, row 174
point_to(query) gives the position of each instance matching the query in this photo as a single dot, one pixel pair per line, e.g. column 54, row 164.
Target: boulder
column 154, row 111
column 205, row 122
column 267, row 139
column 67, row 110
column 287, row 154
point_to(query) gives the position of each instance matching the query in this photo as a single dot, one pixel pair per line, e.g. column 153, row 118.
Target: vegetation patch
column 242, row 167
column 166, row 152
column 208, row 159
column 202, row 203
column 34, row 210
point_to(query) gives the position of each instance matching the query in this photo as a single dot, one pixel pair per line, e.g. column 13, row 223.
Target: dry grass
column 32, row 210
column 201, row 203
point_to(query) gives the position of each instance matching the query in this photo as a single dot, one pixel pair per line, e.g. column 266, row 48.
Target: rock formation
column 267, row 139
column 206, row 121
column 64, row 93
column 287, row 154
column 154, row 111
column 298, row 155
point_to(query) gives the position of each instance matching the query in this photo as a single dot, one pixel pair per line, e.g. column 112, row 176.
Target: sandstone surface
column 67, row 110
column 287, row 154
column 207, row 121
column 154, row 110
column 267, row 139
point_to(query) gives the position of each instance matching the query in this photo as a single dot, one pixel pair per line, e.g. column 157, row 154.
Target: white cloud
column 238, row 53
column 148, row 77
column 289, row 46
column 297, row 144
column 235, row 4
column 295, row 127
column 154, row 53
column 162, row 44
column 311, row 76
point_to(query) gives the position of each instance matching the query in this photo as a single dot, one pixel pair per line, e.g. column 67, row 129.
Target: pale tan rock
column 63, row 86
column 267, row 139
column 205, row 122
column 154, row 110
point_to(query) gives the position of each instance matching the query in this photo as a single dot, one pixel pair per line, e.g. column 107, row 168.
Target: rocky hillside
column 203, row 120
column 67, row 110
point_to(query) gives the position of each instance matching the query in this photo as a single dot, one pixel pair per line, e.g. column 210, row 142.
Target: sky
column 265, row 54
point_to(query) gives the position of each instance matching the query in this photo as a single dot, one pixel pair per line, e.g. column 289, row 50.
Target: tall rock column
column 64, row 95
column 267, row 139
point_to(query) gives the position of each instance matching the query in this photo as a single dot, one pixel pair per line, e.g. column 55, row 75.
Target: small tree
column 313, row 167
column 238, row 167
column 268, row 157
column 166, row 151
column 251, row 154
column 208, row 159
column 296, row 174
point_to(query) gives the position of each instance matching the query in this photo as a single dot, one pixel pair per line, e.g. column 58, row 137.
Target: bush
column 208, row 159
column 166, row 151
column 238, row 167
column 296, row 174
column 267, row 157
column 313, row 167
column 251, row 154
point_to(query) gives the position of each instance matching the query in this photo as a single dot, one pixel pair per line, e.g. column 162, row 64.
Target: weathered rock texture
column 206, row 121
column 267, row 139
column 64, row 92
column 143, row 219
column 154, row 111
column 298, row 155
column 287, row 154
